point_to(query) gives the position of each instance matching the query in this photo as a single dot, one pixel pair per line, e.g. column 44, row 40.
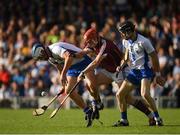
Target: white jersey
column 58, row 49
column 138, row 52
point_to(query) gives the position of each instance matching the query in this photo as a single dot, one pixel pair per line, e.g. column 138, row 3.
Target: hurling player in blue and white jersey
column 138, row 51
column 61, row 55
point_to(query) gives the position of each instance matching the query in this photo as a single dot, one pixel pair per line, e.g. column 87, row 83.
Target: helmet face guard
column 126, row 29
column 37, row 51
column 126, row 34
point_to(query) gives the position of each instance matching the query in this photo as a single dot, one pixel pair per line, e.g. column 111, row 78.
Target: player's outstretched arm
column 155, row 63
column 124, row 61
column 80, row 54
column 67, row 63
column 94, row 63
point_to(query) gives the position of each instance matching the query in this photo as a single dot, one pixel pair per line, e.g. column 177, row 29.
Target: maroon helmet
column 90, row 34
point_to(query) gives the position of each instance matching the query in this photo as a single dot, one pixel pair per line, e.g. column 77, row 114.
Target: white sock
column 157, row 118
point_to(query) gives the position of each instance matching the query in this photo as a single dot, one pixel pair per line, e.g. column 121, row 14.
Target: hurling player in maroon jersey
column 108, row 58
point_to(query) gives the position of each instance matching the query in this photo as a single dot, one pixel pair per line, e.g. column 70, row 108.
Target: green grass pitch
column 72, row 122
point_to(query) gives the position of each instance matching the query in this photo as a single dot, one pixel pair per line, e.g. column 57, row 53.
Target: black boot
column 121, row 123
column 88, row 116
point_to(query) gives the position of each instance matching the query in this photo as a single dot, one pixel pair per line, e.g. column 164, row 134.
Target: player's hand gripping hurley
column 57, row 109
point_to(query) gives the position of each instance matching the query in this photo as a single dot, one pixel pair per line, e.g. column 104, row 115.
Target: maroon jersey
column 113, row 58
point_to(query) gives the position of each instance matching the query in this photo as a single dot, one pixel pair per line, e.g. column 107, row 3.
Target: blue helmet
column 37, row 51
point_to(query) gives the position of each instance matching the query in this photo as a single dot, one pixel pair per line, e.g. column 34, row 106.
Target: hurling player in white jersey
column 61, row 55
column 138, row 51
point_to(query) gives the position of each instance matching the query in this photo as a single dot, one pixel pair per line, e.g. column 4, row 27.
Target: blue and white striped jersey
column 138, row 52
column 58, row 49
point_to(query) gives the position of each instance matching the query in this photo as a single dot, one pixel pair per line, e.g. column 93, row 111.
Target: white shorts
column 116, row 76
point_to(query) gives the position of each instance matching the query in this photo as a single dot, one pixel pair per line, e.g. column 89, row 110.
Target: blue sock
column 86, row 109
column 124, row 115
column 94, row 102
column 156, row 114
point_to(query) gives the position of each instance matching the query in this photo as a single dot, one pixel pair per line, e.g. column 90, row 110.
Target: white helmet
column 37, row 51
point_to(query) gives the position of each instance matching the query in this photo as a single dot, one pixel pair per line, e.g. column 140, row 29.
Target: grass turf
column 72, row 122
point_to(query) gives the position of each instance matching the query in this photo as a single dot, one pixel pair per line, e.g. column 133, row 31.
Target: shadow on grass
column 172, row 125
column 167, row 125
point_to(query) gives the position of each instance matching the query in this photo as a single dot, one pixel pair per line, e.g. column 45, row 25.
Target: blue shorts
column 76, row 69
column 136, row 75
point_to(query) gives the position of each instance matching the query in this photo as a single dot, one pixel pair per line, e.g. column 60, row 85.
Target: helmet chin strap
column 95, row 42
column 48, row 52
column 131, row 35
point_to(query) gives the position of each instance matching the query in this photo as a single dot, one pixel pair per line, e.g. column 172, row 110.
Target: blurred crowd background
column 22, row 22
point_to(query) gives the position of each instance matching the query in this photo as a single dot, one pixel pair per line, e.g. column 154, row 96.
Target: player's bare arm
column 59, row 68
column 155, row 63
column 95, row 62
column 124, row 60
column 85, row 51
column 68, row 62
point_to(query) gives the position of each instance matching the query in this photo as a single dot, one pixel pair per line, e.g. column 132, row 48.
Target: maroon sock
column 141, row 107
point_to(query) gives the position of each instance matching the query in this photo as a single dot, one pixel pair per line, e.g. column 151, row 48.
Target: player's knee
column 145, row 95
column 117, row 95
column 120, row 95
column 67, row 91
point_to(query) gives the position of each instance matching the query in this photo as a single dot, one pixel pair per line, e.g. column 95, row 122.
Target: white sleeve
column 59, row 51
column 103, row 47
column 148, row 46
column 124, row 43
